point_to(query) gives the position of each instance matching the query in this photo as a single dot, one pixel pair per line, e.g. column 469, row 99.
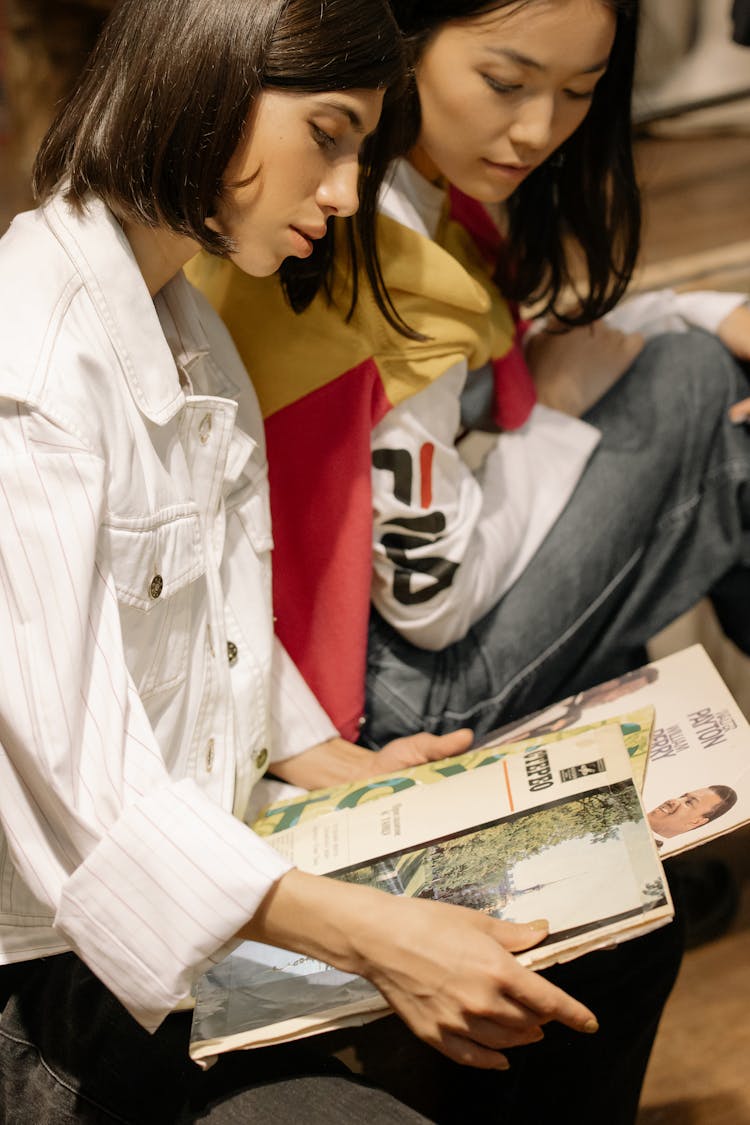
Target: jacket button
column 156, row 587
column 260, row 757
column 232, row 652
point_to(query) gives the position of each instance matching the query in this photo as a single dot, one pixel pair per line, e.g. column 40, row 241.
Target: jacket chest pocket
column 157, row 567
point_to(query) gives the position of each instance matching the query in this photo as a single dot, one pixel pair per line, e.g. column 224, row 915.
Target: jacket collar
column 150, row 345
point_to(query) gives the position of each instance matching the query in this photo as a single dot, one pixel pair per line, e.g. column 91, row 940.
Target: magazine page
column 698, row 781
column 555, row 832
column 262, row 995
column 636, row 729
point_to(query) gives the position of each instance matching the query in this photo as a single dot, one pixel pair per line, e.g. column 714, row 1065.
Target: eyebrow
column 353, row 117
column 525, row 60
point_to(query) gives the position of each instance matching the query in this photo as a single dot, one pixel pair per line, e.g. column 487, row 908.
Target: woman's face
column 502, row 90
column 301, row 158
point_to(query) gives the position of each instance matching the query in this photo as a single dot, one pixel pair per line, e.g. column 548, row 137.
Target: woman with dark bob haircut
column 513, row 567
column 142, row 693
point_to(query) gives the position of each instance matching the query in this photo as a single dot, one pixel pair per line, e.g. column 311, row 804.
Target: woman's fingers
column 734, row 332
column 490, row 1034
column 468, row 1053
column 548, row 1002
column 517, row 936
column 482, row 1043
column 740, row 412
column 449, row 971
column 414, row 749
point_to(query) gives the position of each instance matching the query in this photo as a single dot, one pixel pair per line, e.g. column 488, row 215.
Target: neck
column 160, row 253
column 426, row 166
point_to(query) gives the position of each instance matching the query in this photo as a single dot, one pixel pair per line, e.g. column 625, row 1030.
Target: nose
column 338, row 193
column 532, row 127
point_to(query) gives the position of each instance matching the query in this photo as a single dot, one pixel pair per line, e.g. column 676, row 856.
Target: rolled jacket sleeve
column 123, row 855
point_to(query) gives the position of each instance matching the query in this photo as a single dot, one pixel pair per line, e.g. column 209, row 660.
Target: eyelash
column 503, row 88
column 321, row 138
column 500, row 87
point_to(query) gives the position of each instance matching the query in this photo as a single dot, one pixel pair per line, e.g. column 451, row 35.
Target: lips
column 510, row 168
column 302, row 239
column 313, row 233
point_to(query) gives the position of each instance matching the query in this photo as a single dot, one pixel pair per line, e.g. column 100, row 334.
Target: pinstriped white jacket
column 140, row 685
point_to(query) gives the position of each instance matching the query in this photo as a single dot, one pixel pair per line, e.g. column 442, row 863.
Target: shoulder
column 60, row 357
column 38, row 286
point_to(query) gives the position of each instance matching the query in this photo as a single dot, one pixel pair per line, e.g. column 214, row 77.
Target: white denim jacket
column 141, row 689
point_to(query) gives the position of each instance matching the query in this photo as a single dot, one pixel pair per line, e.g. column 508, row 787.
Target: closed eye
column 321, row 138
column 502, row 87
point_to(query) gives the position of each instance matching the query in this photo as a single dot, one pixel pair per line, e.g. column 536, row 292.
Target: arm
column 573, row 369
column 448, row 542
column 445, row 970
column 663, row 310
column 124, row 857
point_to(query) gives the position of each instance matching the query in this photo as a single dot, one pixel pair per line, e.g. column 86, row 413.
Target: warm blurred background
column 693, row 110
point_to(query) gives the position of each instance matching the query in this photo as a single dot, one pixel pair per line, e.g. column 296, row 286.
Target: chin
column 493, row 194
column 484, row 192
column 264, row 267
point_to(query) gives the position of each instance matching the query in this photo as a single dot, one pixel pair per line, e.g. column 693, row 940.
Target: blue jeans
column 659, row 519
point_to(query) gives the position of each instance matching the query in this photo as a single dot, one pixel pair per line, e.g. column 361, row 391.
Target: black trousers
column 567, row 1079
column 70, row 1053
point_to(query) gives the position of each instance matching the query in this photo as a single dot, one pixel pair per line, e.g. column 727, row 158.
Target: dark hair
column 583, row 199
column 728, row 799
column 163, row 101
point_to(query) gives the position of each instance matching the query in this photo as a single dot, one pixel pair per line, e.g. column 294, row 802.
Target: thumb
column 517, row 936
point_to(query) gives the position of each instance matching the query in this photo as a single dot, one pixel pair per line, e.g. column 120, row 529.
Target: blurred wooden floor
column 697, row 211
column 697, row 234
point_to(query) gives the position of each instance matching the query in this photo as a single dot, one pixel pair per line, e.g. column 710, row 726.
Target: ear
column 699, row 821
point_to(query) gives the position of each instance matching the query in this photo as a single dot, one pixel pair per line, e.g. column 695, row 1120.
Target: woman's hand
column 414, row 749
column 447, row 971
column 573, row 369
column 451, row 976
column 337, row 761
column 734, row 332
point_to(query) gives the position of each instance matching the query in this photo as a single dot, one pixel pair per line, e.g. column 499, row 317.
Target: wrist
column 334, row 762
column 318, row 917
